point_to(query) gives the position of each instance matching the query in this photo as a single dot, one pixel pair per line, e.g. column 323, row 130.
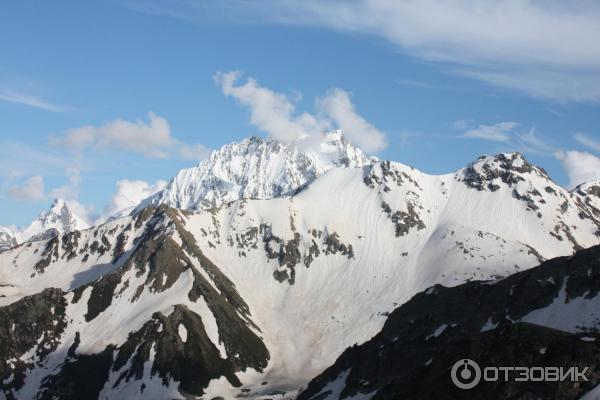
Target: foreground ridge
column 545, row 316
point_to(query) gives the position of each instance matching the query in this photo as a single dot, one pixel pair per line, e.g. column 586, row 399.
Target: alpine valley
column 273, row 271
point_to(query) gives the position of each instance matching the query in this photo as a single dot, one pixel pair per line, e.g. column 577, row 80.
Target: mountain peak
column 257, row 168
column 487, row 172
column 8, row 238
column 60, row 218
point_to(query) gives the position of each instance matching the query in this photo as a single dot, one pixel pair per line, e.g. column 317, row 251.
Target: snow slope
column 298, row 278
column 402, row 231
column 545, row 316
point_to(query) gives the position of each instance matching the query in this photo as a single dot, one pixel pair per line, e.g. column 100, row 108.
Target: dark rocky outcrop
column 412, row 356
column 164, row 252
column 32, row 323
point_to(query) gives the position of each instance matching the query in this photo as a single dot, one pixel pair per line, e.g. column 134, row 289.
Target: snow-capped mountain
column 545, row 316
column 61, row 217
column 256, row 296
column 8, row 238
column 256, row 168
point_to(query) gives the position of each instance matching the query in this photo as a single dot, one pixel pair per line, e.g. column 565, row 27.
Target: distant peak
column 515, row 162
column 58, row 204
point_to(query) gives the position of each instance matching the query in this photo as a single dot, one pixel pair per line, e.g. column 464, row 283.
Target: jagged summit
column 257, row 168
column 60, row 218
column 489, row 172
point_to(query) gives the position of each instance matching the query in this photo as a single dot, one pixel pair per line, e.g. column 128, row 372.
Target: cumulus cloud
column 151, row 138
column 83, row 211
column 338, row 106
column 580, row 166
column 34, row 188
column 499, row 132
column 129, row 194
column 270, row 112
column 547, row 49
column 31, row 189
column 69, row 190
column 275, row 114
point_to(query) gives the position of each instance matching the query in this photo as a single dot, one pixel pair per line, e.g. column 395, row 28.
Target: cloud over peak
column 275, row 113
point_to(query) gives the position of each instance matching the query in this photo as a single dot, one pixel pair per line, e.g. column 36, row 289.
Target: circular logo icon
column 465, row 374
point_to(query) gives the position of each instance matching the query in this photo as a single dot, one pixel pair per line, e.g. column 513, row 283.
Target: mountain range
column 262, row 268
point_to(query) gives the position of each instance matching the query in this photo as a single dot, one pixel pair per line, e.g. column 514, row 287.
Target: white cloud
column 270, row 112
column 462, row 124
column 130, row 193
column 32, row 189
column 274, row 113
column 338, row 106
column 507, row 133
column 531, row 142
column 585, row 140
column 83, row 211
column 30, row 101
column 152, row 138
column 563, row 85
column 71, row 189
column 547, row 49
column 499, row 132
column 580, row 166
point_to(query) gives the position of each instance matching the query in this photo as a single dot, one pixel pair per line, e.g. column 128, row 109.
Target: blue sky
column 93, row 93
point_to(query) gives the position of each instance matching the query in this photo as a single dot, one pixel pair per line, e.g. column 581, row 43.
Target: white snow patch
column 181, row 329
column 440, row 329
column 489, row 325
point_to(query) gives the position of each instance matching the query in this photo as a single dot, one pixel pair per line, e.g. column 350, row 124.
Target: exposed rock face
column 58, row 331
column 255, row 297
column 590, row 192
column 256, row 168
column 545, row 316
column 487, row 171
